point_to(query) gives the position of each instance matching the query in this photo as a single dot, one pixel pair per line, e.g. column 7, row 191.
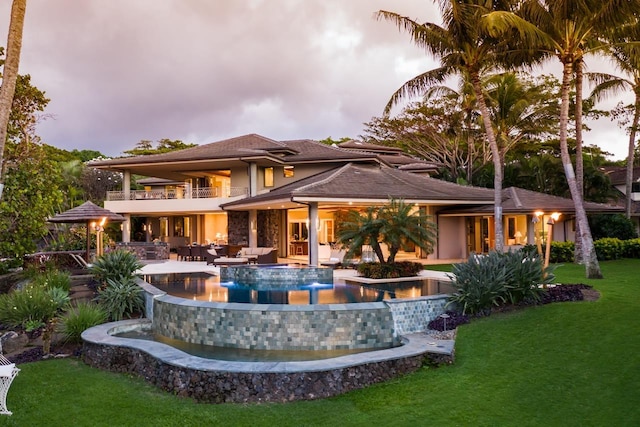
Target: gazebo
column 87, row 213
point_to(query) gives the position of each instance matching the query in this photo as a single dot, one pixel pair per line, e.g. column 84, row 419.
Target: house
column 291, row 195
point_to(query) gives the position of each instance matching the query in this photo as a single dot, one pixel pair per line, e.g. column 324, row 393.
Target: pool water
column 207, row 287
column 239, row 354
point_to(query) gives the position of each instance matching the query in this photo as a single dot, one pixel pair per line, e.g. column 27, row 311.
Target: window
column 635, row 187
column 288, row 172
column 268, row 177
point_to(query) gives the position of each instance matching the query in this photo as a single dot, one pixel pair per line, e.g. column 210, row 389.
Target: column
column 253, row 228
column 313, row 234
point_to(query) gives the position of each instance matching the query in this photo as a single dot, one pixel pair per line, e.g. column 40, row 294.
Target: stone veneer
column 214, row 381
column 275, row 326
column 414, row 314
column 275, row 277
column 146, row 250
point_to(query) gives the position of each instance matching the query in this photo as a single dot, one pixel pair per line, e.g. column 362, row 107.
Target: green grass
column 567, row 364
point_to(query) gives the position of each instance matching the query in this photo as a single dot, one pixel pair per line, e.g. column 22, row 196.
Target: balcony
column 179, row 193
column 174, row 201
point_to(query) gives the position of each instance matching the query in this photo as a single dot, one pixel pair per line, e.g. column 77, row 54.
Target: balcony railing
column 179, row 193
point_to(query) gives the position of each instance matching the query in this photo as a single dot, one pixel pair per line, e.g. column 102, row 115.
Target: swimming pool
column 208, row 287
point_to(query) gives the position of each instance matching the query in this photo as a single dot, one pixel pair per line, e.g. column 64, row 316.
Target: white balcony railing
column 179, row 193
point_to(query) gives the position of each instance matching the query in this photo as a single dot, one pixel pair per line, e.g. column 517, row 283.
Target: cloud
column 120, row 71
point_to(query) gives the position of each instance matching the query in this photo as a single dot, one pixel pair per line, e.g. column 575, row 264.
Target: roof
column 359, row 183
column 176, row 165
column 519, row 200
column 86, row 212
column 618, row 174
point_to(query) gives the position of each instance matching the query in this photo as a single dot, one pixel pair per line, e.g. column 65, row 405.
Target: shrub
column 488, row 281
column 609, row 248
column 527, row 273
column 608, row 225
column 119, row 265
column 80, row 318
column 32, row 305
column 121, row 298
column 631, row 248
column 479, row 284
column 562, row 252
column 376, row 270
column 52, row 279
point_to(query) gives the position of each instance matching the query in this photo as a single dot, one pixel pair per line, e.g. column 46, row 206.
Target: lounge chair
column 80, row 261
column 336, row 258
column 212, row 255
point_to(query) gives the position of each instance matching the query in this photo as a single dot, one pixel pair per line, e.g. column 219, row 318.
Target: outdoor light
column 535, row 220
column 552, row 220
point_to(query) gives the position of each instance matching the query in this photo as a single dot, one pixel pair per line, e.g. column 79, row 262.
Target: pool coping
column 414, row 344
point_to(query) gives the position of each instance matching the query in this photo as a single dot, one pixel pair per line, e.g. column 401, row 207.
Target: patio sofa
column 261, row 255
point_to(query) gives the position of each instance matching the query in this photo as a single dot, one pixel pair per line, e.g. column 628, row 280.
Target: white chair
column 8, row 372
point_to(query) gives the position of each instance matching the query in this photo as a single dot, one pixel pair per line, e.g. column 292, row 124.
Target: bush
column 488, row 281
column 119, row 265
column 121, row 298
column 32, row 305
column 562, row 252
column 376, row 270
column 631, row 248
column 479, row 284
column 609, row 248
column 78, row 319
column 52, row 279
column 608, row 225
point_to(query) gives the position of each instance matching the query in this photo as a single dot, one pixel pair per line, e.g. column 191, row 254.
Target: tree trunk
column 589, row 253
column 631, row 153
column 497, row 162
column 10, row 73
column 578, row 253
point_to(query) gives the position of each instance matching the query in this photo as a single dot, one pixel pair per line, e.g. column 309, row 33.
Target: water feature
column 202, row 311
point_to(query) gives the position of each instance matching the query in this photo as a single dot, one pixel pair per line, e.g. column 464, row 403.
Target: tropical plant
column 568, row 30
column 375, row 270
column 121, row 298
column 497, row 278
column 32, row 304
column 479, row 284
column 627, row 60
column 80, row 318
column 464, row 49
column 396, row 224
column 118, row 265
column 53, row 279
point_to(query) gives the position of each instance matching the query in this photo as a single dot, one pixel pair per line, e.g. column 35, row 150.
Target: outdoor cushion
column 212, row 252
column 7, row 370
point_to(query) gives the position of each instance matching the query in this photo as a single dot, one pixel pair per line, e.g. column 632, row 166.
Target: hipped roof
column 362, row 184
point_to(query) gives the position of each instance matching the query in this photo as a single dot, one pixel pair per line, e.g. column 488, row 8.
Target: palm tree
column 396, row 225
column 10, row 72
column 568, row 30
column 627, row 60
column 465, row 50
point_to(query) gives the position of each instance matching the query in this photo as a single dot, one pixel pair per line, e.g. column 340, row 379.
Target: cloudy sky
column 119, row 71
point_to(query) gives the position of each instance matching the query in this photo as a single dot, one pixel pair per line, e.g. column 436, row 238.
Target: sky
column 120, row 71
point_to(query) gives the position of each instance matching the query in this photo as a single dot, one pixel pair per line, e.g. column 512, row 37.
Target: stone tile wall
column 270, row 276
column 414, row 314
column 275, row 327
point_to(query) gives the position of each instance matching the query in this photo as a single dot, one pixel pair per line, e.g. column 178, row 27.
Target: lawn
column 557, row 365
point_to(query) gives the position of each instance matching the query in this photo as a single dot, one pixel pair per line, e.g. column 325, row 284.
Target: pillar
column 313, row 234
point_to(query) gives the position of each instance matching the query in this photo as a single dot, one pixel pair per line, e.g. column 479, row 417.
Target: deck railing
column 179, row 193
